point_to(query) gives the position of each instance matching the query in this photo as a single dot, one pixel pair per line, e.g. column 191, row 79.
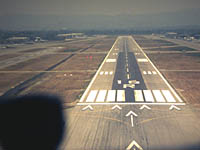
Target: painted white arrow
column 116, row 106
column 145, row 106
column 134, row 143
column 87, row 107
column 131, row 113
column 174, row 107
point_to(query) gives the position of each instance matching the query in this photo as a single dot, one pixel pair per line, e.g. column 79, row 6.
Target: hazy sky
column 110, row 7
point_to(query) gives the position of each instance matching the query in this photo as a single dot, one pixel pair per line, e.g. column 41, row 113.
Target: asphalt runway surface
column 130, row 105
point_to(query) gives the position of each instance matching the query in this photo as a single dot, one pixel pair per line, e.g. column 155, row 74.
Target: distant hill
column 101, row 22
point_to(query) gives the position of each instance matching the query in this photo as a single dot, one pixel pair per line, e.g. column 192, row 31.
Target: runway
column 127, row 75
column 130, row 105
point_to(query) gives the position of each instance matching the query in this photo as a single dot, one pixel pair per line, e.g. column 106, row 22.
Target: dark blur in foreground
column 31, row 122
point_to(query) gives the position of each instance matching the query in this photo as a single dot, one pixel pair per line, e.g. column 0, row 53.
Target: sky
column 97, row 14
column 88, row 7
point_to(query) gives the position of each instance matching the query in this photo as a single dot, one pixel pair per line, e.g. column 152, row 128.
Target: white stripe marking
column 173, row 91
column 144, row 72
column 128, row 76
column 154, row 72
column 91, row 97
column 149, row 72
column 106, row 72
column 119, row 81
column 158, row 96
column 111, row 96
column 101, row 73
column 111, row 72
column 168, row 96
column 101, row 96
column 142, row 60
column 120, row 96
column 148, row 96
column 111, row 60
column 127, row 70
column 177, row 104
column 138, row 96
column 93, row 79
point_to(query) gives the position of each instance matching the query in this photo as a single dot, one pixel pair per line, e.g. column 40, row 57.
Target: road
column 130, row 105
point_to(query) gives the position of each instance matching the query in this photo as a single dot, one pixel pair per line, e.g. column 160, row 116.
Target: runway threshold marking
column 111, row 96
column 95, row 76
column 139, row 96
column 168, row 96
column 132, row 103
column 172, row 90
column 148, row 96
column 120, row 96
column 158, row 96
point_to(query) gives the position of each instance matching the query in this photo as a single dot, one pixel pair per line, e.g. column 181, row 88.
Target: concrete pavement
column 130, row 105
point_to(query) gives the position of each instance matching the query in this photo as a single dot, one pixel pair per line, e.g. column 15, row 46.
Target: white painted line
column 132, row 121
column 111, row 96
column 138, row 96
column 172, row 90
column 120, row 96
column 87, row 107
column 145, row 106
column 154, row 72
column 177, row 104
column 111, row 60
column 111, row 72
column 106, row 73
column 131, row 113
column 144, row 72
column 168, row 96
column 91, row 97
column 134, row 143
column 116, row 106
column 101, row 73
column 148, row 96
column 93, row 79
column 127, row 70
column 174, row 107
column 149, row 72
column 158, row 96
column 101, row 96
column 142, row 60
column 128, row 76
column 119, row 81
